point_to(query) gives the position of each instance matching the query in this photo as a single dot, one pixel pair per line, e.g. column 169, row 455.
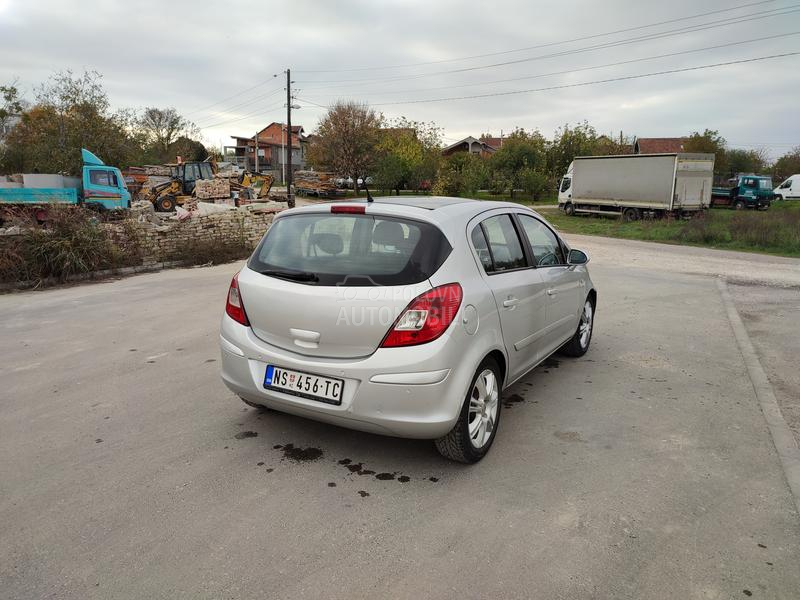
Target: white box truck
column 637, row 185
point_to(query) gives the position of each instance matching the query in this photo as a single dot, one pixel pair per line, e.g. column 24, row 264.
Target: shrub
column 71, row 242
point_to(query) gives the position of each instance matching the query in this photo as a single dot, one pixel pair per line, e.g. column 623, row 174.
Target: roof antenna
column 369, row 196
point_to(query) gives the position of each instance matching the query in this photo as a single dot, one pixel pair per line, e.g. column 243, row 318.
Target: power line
column 585, row 83
column 692, row 29
column 258, row 112
column 256, row 99
column 580, row 69
column 236, row 95
column 550, row 44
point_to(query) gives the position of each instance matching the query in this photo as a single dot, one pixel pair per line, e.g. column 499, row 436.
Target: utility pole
column 289, row 194
column 256, row 138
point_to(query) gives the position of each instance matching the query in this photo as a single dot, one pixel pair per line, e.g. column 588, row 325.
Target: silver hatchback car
column 404, row 316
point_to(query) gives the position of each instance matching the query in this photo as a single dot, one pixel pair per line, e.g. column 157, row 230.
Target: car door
column 101, row 186
column 517, row 287
column 564, row 286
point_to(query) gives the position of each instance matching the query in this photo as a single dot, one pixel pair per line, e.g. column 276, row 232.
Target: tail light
column 426, row 318
column 234, row 307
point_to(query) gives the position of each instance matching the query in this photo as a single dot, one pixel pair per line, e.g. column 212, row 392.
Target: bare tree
column 10, row 105
column 163, row 126
column 347, row 138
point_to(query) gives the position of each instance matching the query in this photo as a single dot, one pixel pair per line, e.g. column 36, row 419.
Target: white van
column 789, row 189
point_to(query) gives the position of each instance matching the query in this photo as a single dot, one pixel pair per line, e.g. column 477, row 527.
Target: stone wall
column 156, row 242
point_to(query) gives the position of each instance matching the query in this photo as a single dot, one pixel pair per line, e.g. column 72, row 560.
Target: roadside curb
column 92, row 276
column 782, row 436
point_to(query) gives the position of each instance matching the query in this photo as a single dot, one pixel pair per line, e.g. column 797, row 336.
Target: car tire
column 739, row 205
column 460, row 444
column 569, row 209
column 579, row 343
column 778, row 198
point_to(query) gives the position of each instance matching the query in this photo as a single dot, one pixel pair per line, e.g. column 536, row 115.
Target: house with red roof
column 273, row 146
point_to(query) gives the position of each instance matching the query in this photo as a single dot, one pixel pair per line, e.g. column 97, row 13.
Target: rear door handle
column 511, row 302
column 552, row 292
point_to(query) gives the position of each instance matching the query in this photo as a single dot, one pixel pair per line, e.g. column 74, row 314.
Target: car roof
column 427, row 202
column 448, row 214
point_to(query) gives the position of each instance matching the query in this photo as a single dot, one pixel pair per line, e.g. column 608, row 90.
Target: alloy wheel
column 483, row 403
column 585, row 327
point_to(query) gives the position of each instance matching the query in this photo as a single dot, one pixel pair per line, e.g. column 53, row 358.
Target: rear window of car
column 348, row 249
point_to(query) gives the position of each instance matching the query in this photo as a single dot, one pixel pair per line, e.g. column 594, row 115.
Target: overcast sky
column 191, row 55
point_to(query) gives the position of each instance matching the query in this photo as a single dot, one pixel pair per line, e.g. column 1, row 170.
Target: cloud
column 191, row 55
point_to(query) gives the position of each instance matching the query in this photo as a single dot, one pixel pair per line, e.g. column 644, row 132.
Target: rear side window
column 504, row 244
column 482, row 248
column 544, row 243
column 354, row 250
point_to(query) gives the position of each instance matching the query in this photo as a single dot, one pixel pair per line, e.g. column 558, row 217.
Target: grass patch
column 775, row 231
column 71, row 243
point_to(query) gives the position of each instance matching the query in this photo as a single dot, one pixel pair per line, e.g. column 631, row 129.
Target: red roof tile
column 659, row 145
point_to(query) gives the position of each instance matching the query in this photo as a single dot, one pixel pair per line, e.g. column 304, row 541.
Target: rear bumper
column 404, row 392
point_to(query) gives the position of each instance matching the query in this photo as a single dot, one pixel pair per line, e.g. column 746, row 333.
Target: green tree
column 569, row 142
column 462, row 173
column 745, row 161
column 346, row 141
column 187, row 149
column 787, row 165
column 710, row 142
column 409, row 153
column 390, row 172
column 521, row 155
column 71, row 112
column 535, row 183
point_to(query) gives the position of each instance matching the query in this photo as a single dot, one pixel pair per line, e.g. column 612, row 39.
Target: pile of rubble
column 208, row 189
column 314, row 183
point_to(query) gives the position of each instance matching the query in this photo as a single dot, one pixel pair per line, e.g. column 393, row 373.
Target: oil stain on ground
column 511, row 400
column 246, row 434
column 296, row 454
column 357, row 468
column 569, row 436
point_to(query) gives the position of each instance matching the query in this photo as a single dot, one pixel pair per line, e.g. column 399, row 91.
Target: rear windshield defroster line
column 350, row 249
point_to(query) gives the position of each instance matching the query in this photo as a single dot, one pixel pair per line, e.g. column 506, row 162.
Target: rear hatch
column 332, row 284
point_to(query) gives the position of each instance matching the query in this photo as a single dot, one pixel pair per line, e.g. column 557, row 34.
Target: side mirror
column 577, row 257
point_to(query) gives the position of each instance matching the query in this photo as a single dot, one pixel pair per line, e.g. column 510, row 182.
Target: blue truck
column 744, row 191
column 100, row 186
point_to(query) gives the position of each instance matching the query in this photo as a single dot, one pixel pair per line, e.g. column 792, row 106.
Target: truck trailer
column 637, row 185
column 99, row 186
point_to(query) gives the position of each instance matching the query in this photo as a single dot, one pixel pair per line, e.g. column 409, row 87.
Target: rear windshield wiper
column 292, row 275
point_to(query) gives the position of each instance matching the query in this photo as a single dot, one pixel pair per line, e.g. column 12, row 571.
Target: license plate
column 305, row 385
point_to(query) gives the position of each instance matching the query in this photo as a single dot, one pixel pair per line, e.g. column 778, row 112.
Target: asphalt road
column 643, row 470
